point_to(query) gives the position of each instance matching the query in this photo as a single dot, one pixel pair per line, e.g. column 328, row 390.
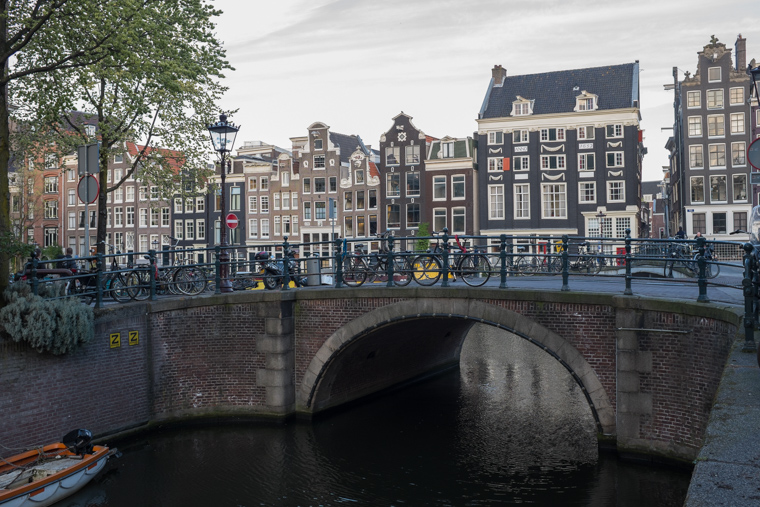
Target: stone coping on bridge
column 721, row 311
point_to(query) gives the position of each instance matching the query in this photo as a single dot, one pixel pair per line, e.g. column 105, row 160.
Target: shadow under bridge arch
column 404, row 340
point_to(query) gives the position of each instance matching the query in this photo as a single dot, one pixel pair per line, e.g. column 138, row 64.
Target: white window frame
column 521, row 163
column 613, row 131
column 458, row 211
column 619, row 187
column 583, row 159
column 583, row 187
column 713, row 120
column 495, row 164
column 439, row 181
column 552, row 189
column 496, row 202
column 458, row 179
column 546, row 135
column 738, row 120
column 717, row 95
column 521, row 198
column 717, row 165
column 496, row 137
column 740, row 147
column 692, row 154
column 693, row 99
column 619, row 159
column 585, row 130
column 736, row 96
column 520, row 136
column 560, row 162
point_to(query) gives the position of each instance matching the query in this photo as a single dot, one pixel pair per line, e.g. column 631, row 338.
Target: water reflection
column 510, row 426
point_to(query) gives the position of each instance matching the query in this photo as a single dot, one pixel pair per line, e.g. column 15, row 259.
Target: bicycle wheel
column 426, row 270
column 475, row 270
column 138, row 284
column 402, row 270
column 354, row 272
column 526, row 265
column 554, row 264
column 118, row 289
column 189, row 281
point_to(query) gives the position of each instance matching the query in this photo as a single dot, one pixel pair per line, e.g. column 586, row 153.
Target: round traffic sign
column 753, row 154
column 232, row 220
column 88, row 189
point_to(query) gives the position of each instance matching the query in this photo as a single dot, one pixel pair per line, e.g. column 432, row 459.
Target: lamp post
column 223, row 138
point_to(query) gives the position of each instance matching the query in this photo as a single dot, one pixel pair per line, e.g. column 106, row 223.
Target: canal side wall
column 654, row 365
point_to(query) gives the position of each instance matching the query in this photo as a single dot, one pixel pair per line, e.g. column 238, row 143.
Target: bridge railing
column 386, row 260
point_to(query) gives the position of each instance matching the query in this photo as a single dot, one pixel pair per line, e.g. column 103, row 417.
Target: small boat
column 43, row 476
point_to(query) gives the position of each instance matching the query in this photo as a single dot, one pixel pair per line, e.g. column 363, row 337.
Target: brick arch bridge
column 649, row 367
column 356, row 349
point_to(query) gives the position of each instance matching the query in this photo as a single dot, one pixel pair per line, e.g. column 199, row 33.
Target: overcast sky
column 355, row 64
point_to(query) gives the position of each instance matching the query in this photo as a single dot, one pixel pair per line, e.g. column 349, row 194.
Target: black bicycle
column 683, row 260
column 472, row 266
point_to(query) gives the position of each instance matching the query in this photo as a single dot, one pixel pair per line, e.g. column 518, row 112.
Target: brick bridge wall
column 650, row 367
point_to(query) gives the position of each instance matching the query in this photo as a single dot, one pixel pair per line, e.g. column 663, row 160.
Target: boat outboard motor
column 79, row 441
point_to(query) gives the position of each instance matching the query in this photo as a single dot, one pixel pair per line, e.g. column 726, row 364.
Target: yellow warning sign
column 134, row 338
column 115, row 340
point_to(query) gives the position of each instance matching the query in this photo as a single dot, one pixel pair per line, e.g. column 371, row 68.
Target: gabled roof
column 617, row 87
column 346, row 144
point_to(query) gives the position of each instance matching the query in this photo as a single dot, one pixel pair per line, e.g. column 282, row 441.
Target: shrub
column 422, row 244
column 57, row 326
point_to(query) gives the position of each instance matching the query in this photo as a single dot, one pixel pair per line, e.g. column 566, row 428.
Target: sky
column 356, row 64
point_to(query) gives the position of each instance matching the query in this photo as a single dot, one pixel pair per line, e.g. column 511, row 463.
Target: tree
column 30, row 43
column 159, row 86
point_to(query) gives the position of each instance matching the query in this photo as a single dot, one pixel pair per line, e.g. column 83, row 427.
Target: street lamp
column 223, row 138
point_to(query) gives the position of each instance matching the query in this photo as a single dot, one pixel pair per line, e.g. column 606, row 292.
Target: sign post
column 87, row 162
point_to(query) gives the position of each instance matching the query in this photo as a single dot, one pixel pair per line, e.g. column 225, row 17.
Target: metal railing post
column 750, row 298
column 217, row 270
column 628, row 274
column 445, row 257
column 33, row 274
column 285, row 264
column 338, row 264
column 701, row 264
column 99, row 282
column 389, row 267
column 503, row 260
column 153, row 272
column 565, row 263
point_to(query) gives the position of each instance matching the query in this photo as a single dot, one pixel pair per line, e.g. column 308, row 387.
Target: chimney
column 741, row 53
column 499, row 74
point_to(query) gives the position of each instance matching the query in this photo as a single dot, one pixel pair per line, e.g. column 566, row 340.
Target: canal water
column 510, row 426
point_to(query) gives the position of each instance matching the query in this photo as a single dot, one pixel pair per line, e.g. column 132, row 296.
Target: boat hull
column 57, row 486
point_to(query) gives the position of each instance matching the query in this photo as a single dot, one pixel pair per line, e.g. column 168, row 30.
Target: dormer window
column 586, row 101
column 522, row 107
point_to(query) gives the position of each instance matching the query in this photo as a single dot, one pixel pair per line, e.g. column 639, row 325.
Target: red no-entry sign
column 232, row 220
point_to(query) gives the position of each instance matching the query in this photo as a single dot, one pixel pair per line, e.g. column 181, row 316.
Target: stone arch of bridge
column 464, row 311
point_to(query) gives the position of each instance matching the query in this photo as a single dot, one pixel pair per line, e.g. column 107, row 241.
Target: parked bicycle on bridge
column 472, row 266
column 360, row 267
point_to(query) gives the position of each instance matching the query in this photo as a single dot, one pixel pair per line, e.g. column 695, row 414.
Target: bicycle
column 585, row 262
column 680, row 253
column 359, row 267
column 532, row 264
column 472, row 266
column 114, row 282
column 179, row 279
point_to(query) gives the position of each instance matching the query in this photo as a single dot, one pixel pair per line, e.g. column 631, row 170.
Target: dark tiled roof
column 617, row 87
column 650, row 187
column 347, row 144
